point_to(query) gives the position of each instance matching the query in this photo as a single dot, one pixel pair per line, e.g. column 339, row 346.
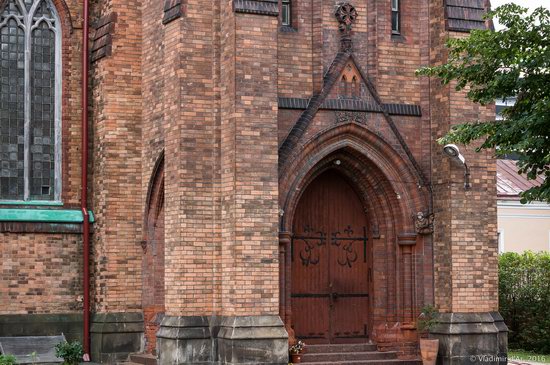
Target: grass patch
column 527, row 356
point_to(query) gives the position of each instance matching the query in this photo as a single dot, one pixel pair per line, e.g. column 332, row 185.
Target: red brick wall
column 295, row 48
column 117, row 199
column 41, row 273
column 250, row 211
column 190, row 165
column 465, row 246
column 204, row 88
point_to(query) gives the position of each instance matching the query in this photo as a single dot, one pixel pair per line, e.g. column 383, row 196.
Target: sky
column 531, row 4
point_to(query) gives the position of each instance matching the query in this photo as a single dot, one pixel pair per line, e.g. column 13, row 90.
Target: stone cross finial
column 346, row 16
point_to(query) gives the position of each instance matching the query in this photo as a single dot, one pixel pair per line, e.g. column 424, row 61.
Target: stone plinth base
column 252, row 340
column 471, row 338
column 115, row 335
column 184, row 340
column 222, row 340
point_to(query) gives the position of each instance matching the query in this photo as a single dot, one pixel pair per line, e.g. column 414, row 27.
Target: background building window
column 286, row 13
column 395, row 17
column 30, row 101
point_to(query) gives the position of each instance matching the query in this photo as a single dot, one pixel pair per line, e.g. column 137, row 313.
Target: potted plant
column 71, row 353
column 429, row 347
column 296, row 352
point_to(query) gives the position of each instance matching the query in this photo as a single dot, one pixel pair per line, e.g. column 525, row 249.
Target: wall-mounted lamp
column 453, row 152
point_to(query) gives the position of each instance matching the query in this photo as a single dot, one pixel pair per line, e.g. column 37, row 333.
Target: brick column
column 465, row 237
column 221, row 186
column 191, row 195
column 250, row 329
column 117, row 321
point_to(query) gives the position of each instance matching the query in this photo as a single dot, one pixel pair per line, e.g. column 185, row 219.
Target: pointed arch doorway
column 330, row 263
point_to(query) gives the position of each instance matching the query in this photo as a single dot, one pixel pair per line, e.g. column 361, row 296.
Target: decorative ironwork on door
column 348, row 253
column 312, row 240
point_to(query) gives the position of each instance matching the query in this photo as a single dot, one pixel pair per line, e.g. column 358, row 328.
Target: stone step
column 143, row 359
column 348, row 356
column 359, row 347
column 368, row 362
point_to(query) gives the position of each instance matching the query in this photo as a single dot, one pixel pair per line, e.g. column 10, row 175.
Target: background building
column 521, row 227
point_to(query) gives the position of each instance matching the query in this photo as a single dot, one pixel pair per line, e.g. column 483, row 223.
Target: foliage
column 297, row 348
column 523, row 356
column 7, row 360
column 71, row 353
column 497, row 65
column 427, row 319
column 524, row 296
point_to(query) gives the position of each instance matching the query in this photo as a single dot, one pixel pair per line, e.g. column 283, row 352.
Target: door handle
column 332, row 295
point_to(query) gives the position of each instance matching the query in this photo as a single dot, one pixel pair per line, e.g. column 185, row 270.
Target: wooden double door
column 330, row 263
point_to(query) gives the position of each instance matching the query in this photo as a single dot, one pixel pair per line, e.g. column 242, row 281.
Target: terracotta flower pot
column 428, row 350
column 295, row 358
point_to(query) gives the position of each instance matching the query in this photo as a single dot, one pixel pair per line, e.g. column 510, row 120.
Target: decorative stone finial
column 346, row 16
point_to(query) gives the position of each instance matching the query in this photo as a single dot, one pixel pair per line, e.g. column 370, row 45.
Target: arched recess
column 153, row 256
column 391, row 195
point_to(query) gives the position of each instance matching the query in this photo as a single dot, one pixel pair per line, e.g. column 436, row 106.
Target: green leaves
column 7, row 360
column 71, row 353
column 524, row 299
column 428, row 319
column 514, row 62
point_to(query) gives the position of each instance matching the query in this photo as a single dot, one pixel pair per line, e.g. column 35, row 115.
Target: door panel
column 329, row 263
column 310, row 263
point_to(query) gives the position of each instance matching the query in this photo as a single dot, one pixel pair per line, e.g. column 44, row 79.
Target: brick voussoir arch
column 155, row 192
column 400, row 182
column 376, row 197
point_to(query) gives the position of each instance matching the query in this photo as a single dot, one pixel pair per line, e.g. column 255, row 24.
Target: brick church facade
column 259, row 171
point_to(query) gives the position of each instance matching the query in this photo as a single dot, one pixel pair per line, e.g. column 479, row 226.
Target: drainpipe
column 84, row 190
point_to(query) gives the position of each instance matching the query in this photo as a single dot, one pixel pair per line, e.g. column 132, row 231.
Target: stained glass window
column 30, row 101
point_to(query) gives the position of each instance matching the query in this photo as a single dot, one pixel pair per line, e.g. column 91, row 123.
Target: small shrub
column 524, row 299
column 7, row 360
column 428, row 319
column 71, row 353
